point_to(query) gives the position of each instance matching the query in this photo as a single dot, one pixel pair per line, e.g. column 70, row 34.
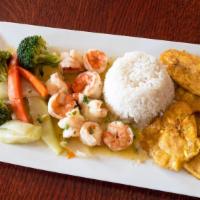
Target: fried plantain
column 175, row 140
column 150, row 135
column 193, row 100
column 197, row 117
column 193, row 166
column 184, row 68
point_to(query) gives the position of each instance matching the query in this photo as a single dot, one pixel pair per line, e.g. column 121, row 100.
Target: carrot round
column 35, row 82
column 15, row 94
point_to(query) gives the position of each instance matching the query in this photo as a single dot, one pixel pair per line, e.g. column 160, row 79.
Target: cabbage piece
column 39, row 113
column 15, row 131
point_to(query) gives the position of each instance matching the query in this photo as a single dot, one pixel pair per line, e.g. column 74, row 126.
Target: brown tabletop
column 177, row 20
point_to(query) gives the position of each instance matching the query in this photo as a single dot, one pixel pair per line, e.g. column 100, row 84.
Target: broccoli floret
column 5, row 112
column 4, row 58
column 33, row 52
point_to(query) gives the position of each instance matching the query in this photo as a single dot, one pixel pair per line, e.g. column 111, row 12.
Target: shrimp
column 93, row 110
column 91, row 134
column 88, row 83
column 71, row 61
column 56, row 84
column 118, row 136
column 95, row 60
column 60, row 104
column 71, row 123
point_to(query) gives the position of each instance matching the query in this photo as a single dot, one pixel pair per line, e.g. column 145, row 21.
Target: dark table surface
column 177, row 20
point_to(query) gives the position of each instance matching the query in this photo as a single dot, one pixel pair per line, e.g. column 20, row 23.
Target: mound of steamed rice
column 137, row 88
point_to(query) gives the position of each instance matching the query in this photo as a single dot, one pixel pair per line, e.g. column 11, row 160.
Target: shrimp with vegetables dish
column 78, row 101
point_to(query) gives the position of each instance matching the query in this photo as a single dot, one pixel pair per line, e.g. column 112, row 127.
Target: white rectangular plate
column 116, row 170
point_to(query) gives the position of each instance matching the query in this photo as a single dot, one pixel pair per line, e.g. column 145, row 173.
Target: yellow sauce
column 130, row 153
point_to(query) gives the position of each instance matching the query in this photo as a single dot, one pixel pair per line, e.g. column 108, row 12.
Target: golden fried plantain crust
column 193, row 165
column 193, row 100
column 172, row 139
column 150, row 135
column 197, row 117
column 184, row 68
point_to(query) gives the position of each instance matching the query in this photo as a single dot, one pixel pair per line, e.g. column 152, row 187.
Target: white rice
column 137, row 87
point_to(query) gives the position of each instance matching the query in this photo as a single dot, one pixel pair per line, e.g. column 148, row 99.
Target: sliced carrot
column 19, row 109
column 14, row 83
column 35, row 82
column 70, row 153
column 15, row 94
